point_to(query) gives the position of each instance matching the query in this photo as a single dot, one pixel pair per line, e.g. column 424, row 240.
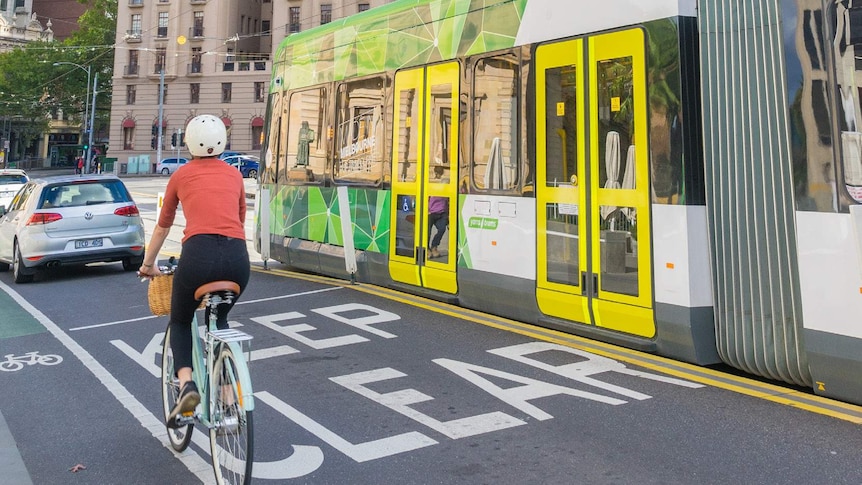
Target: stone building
column 200, row 56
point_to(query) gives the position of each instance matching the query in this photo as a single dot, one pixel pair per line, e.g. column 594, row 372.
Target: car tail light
column 43, row 218
column 128, row 211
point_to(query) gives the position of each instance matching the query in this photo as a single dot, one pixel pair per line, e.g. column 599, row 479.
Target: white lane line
column 246, row 302
column 201, row 468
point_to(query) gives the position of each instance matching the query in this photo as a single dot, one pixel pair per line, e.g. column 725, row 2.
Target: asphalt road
column 357, row 384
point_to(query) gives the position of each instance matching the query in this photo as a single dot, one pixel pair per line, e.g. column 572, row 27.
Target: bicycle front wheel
column 231, row 431
column 179, row 437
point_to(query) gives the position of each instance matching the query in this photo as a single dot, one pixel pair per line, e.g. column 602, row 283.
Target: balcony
column 136, row 3
column 131, row 70
column 244, row 65
column 133, row 36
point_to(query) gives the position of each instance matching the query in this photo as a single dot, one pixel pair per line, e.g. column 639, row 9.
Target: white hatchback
column 11, row 180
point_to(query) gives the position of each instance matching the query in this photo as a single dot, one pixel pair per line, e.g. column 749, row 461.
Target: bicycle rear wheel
column 179, row 437
column 231, row 431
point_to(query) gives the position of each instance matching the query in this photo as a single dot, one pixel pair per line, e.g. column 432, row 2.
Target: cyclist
column 212, row 195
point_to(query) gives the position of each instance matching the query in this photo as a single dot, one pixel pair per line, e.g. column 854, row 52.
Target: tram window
column 439, row 167
column 408, row 136
column 495, row 124
column 360, row 138
column 616, row 121
column 561, row 124
column 306, row 133
column 274, row 155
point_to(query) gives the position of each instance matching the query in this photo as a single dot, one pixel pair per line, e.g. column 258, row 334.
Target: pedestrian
column 79, row 165
column 212, row 194
column 438, row 218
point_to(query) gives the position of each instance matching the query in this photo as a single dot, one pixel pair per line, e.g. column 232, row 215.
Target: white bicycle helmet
column 206, row 136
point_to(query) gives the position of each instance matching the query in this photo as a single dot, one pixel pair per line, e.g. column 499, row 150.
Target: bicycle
column 222, row 377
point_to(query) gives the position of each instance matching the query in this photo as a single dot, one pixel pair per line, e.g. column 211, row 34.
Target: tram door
column 422, row 242
column 592, row 183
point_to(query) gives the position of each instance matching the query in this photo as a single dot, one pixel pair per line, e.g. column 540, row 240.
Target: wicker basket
column 159, row 294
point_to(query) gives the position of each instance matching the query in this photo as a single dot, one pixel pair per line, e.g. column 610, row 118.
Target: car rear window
column 89, row 193
column 12, row 179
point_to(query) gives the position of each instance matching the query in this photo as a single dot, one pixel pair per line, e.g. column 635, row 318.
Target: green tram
column 678, row 177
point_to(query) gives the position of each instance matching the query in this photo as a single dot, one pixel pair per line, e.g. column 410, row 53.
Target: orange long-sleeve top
column 212, row 194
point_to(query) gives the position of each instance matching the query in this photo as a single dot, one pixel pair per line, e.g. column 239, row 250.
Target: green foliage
column 32, row 87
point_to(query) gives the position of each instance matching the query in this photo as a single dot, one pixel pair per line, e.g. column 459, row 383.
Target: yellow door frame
column 586, row 302
column 417, row 268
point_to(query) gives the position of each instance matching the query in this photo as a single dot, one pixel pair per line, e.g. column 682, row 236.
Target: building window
column 198, row 28
column 164, row 93
column 293, row 25
column 160, row 60
column 196, row 60
column 136, row 25
column 256, row 137
column 163, row 24
column 306, row 139
column 325, row 13
column 225, row 92
column 265, row 26
column 361, row 7
column 128, row 138
column 130, row 94
column 132, row 68
column 259, row 92
column 194, row 93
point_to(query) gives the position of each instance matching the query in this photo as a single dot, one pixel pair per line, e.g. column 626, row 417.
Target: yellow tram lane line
column 695, row 373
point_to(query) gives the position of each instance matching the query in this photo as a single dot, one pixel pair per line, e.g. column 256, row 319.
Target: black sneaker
column 188, row 399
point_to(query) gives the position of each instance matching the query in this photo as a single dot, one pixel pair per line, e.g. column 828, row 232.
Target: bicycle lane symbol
column 15, row 363
column 304, row 459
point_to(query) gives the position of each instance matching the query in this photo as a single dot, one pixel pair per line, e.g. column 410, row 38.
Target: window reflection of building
column 360, row 140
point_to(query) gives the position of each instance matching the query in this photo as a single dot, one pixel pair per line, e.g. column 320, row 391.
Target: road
column 359, row 384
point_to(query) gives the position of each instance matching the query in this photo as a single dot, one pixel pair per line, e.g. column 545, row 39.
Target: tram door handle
column 583, row 283
column 595, row 285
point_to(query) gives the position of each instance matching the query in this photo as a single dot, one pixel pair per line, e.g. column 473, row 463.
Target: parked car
column 228, row 153
column 70, row 219
column 10, row 181
column 170, row 165
column 248, row 165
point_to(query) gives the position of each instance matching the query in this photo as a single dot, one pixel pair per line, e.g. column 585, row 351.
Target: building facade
column 176, row 59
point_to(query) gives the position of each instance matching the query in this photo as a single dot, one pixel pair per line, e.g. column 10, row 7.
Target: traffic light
column 155, row 130
column 174, row 140
column 153, row 143
column 86, row 145
column 182, row 139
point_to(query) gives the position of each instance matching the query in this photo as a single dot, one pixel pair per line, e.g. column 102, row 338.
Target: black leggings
column 205, row 258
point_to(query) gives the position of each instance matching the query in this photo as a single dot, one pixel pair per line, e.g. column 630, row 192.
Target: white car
column 10, row 181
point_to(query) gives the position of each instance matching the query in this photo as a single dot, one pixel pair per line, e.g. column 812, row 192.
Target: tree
column 32, row 88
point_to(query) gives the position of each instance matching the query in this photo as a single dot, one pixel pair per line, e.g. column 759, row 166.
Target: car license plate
column 88, row 243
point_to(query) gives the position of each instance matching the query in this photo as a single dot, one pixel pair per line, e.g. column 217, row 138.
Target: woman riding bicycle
column 212, row 194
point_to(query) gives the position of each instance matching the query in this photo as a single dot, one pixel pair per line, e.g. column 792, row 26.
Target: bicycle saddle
column 215, row 287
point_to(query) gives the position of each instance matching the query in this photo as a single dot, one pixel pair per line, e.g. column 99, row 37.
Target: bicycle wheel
column 231, row 434
column 179, row 437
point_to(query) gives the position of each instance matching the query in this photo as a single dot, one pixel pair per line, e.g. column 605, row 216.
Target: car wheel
column 166, row 171
column 252, row 173
column 18, row 270
column 131, row 264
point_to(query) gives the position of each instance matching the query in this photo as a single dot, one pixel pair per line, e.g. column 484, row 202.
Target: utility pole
column 161, row 113
column 92, row 119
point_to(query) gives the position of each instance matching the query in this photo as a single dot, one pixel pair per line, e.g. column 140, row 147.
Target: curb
column 11, row 462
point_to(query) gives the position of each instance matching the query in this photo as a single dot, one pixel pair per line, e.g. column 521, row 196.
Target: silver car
column 70, row 219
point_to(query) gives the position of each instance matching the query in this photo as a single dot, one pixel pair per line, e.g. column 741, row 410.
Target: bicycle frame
column 202, row 368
